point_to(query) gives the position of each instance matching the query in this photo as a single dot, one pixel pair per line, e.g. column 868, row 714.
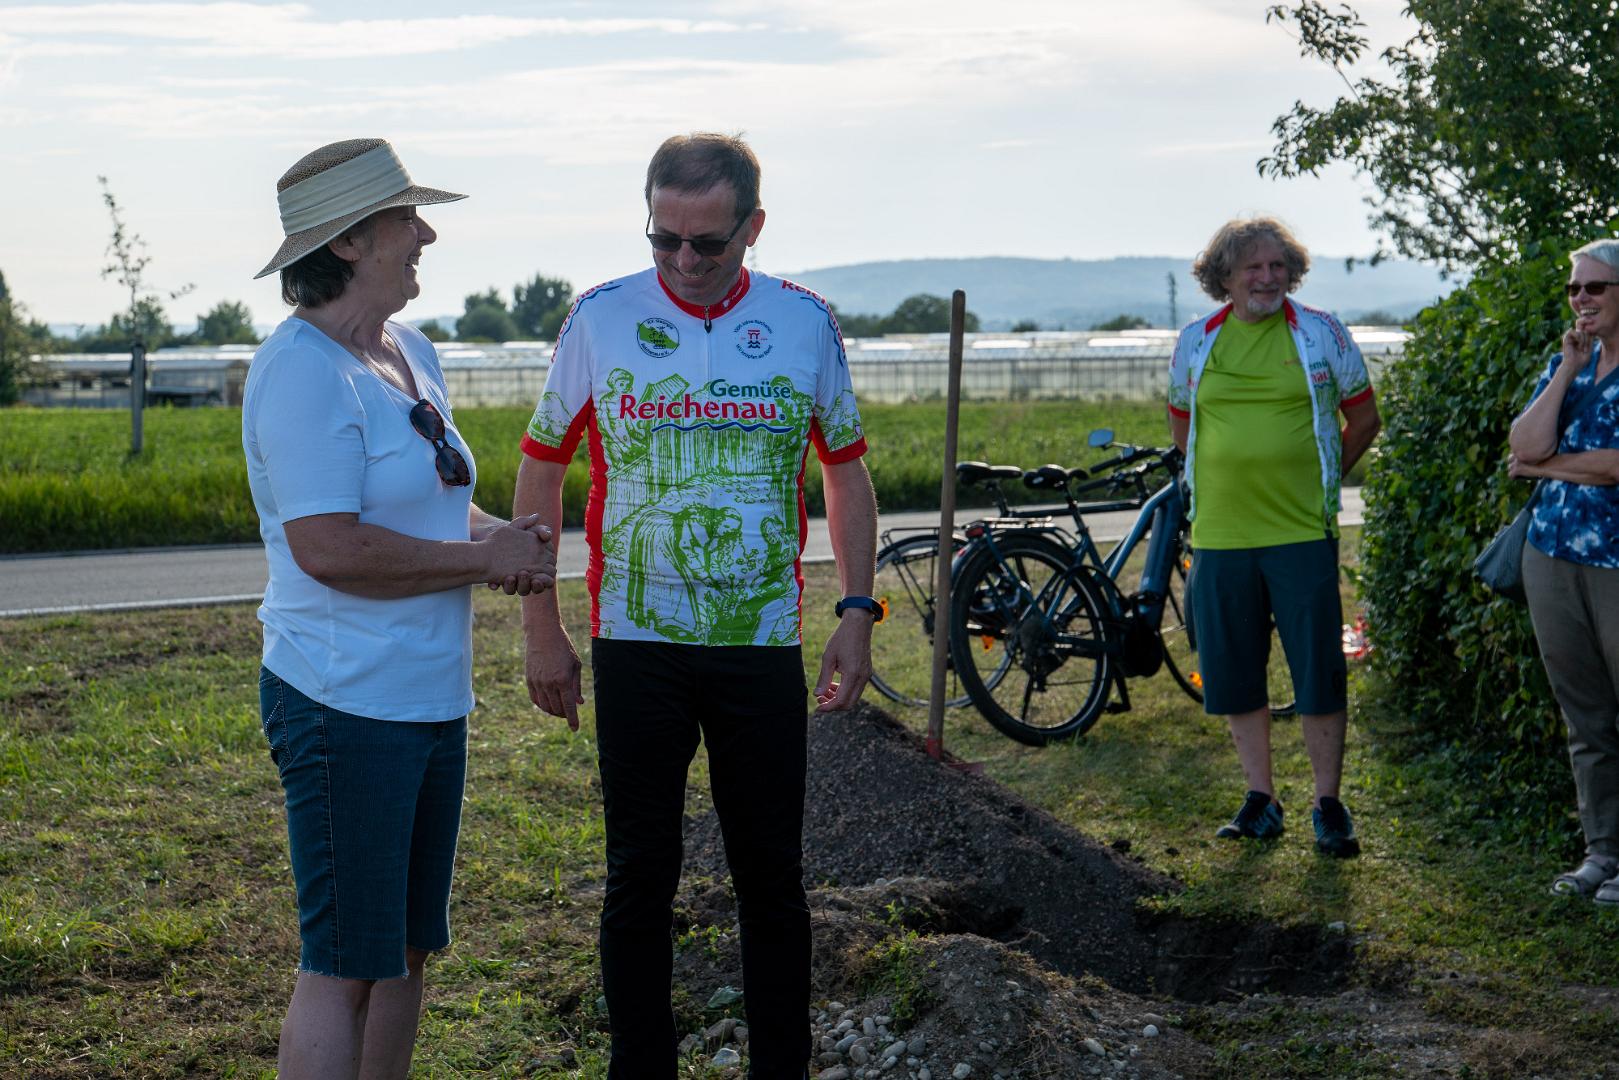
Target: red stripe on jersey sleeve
column 570, row 442
column 834, row 457
column 1364, row 395
column 1181, row 413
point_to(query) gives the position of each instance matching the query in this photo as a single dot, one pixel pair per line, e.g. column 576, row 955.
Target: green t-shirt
column 1258, row 477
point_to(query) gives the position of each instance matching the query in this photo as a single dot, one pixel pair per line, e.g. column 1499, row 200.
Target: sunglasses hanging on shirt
column 452, row 467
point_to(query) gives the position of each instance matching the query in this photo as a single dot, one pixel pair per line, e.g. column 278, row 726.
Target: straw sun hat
column 334, row 187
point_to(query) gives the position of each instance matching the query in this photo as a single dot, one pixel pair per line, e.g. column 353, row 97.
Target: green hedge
column 67, row 482
column 1456, row 659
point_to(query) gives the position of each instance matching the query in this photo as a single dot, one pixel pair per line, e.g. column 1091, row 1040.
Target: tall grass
column 67, row 481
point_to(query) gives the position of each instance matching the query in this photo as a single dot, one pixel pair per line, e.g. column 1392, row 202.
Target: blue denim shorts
column 373, row 811
column 1233, row 596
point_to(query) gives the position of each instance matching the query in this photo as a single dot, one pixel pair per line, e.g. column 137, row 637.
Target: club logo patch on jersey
column 657, row 337
column 753, row 338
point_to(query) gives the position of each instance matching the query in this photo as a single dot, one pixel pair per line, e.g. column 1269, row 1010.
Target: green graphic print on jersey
column 698, row 448
column 670, row 519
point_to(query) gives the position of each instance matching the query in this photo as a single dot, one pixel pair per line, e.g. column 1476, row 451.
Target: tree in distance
column 229, row 323
column 485, row 319
column 538, row 309
column 856, row 325
column 540, row 305
column 149, row 323
column 1124, row 322
column 1380, row 318
column 1025, row 326
column 432, row 331
column 20, row 338
column 923, row 313
column 1469, row 142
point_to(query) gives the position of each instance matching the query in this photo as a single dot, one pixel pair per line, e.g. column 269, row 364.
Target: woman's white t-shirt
column 325, row 435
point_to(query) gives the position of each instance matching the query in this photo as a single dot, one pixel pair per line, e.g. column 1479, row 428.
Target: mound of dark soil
column 877, row 808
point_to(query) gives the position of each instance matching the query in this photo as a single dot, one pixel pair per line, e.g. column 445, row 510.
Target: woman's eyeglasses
column 1592, row 288
column 706, row 246
column 452, row 467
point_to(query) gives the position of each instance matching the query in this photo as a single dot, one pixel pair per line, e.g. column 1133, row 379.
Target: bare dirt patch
column 877, row 808
column 1016, row 945
column 958, row 927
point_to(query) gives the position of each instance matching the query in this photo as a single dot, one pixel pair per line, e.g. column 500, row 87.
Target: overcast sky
column 887, row 129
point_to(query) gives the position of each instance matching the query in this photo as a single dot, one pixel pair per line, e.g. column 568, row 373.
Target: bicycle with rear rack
column 1043, row 633
column 906, row 575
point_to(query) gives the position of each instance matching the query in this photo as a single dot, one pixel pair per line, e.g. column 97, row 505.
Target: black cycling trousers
column 748, row 704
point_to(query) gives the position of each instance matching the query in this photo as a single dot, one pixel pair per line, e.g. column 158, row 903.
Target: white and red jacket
column 1330, row 360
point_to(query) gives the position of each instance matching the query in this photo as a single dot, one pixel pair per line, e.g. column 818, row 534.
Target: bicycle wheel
column 902, row 643
column 1035, row 625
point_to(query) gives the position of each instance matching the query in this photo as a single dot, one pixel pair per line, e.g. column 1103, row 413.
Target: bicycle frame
column 1160, row 518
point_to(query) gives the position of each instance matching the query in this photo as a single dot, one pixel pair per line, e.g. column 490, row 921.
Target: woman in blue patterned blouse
column 1571, row 562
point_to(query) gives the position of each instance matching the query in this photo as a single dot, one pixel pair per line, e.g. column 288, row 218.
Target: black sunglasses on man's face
column 452, row 467
column 706, row 246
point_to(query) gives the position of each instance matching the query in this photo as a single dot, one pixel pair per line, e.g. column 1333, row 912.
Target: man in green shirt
column 1255, row 392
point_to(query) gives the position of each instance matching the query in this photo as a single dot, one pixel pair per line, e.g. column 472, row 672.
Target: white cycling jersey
column 699, row 423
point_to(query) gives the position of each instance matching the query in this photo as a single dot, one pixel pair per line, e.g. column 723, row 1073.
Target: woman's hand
column 1577, row 345
column 522, row 559
column 1518, row 470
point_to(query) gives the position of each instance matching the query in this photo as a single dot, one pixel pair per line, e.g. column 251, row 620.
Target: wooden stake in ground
column 947, row 529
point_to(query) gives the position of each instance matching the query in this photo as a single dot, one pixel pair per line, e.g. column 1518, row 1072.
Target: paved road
column 192, row 576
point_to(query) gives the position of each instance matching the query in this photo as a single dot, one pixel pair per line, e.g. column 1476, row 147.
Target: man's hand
column 523, row 548
column 553, row 672
column 846, row 664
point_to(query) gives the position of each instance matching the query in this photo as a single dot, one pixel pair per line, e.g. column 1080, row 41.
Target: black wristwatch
column 865, row 603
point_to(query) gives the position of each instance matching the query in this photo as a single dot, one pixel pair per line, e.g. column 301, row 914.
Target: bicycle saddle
column 976, row 472
column 1046, row 478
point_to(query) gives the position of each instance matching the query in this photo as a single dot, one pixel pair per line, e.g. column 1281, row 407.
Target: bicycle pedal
column 1117, row 707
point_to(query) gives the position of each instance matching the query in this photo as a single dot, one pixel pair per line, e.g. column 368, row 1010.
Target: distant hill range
column 1076, row 294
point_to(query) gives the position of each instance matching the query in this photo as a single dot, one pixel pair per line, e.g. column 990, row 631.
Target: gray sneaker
column 1334, row 830
column 1259, row 819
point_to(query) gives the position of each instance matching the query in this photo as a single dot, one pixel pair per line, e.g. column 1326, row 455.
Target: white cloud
column 296, row 32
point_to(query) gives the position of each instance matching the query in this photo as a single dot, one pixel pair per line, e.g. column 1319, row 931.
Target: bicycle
column 1045, row 605
column 907, row 573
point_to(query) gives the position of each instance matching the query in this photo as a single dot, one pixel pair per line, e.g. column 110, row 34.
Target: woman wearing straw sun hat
column 363, row 488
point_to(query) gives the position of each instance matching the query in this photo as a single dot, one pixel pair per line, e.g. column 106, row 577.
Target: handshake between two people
column 522, row 555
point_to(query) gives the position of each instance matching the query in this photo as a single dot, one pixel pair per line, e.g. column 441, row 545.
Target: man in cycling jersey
column 700, row 388
column 1255, row 390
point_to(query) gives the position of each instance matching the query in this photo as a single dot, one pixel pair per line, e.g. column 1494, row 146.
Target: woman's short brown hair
column 320, row 277
column 1228, row 245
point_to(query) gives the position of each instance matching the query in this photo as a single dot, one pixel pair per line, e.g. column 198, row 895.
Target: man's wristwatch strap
column 865, row 603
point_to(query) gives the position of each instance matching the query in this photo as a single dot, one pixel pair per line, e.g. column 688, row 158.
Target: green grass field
column 146, row 909
column 67, row 481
